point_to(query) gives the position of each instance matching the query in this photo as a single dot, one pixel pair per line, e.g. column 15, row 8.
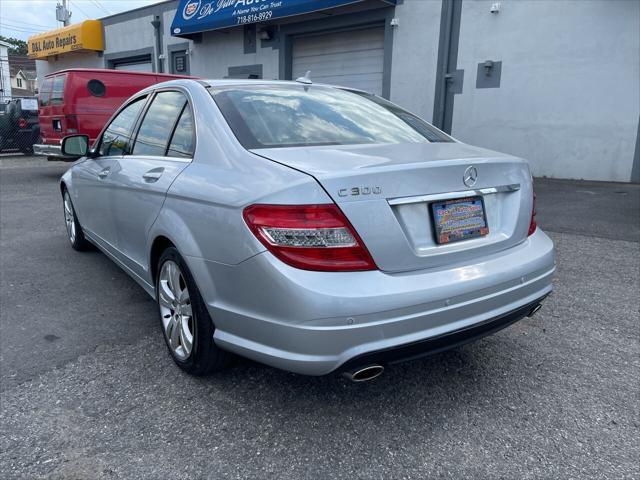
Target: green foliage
column 18, row 47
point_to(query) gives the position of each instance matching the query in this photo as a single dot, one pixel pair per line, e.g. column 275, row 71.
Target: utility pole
column 67, row 15
column 62, row 13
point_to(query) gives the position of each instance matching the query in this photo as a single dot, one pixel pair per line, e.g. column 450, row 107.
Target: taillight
column 310, row 237
column 532, row 224
column 71, row 122
column 22, row 123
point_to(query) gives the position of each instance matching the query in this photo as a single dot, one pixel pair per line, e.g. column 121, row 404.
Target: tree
column 18, row 47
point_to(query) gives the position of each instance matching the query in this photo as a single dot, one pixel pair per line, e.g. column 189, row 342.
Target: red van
column 81, row 100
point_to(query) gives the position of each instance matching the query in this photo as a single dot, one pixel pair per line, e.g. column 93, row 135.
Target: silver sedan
column 312, row 228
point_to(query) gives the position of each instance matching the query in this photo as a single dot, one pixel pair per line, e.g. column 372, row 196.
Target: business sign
column 195, row 16
column 81, row 36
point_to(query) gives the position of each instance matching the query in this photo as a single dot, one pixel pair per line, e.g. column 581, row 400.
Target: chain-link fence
column 19, row 126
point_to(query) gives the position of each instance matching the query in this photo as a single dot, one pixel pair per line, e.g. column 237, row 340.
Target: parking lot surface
column 90, row 392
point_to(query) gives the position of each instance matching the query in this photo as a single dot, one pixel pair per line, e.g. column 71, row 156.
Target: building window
column 19, row 82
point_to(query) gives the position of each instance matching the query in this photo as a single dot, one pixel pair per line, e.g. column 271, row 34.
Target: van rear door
column 57, row 108
column 44, row 95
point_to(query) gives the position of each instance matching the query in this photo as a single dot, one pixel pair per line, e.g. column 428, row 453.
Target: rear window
column 29, row 105
column 57, row 90
column 266, row 116
column 158, row 123
column 96, row 88
column 45, row 92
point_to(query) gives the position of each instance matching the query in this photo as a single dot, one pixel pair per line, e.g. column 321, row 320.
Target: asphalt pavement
column 88, row 390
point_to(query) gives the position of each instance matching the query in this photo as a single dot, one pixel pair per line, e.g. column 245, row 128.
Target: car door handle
column 153, row 175
column 103, row 173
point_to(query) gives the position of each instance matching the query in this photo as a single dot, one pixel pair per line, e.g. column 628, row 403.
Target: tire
column 74, row 230
column 186, row 324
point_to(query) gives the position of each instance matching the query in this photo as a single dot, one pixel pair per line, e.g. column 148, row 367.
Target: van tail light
column 71, row 122
column 532, row 224
column 22, row 123
column 310, row 237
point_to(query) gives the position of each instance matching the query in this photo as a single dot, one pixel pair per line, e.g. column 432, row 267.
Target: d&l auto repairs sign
column 82, row 36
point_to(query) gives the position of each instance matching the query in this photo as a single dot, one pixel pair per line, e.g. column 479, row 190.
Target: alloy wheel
column 69, row 217
column 175, row 309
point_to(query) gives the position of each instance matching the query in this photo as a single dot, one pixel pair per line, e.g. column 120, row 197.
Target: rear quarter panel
column 202, row 214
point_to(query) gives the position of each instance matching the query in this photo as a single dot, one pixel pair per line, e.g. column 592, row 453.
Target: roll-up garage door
column 136, row 67
column 352, row 58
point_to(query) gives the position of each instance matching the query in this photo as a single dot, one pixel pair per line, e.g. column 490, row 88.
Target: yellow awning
column 80, row 36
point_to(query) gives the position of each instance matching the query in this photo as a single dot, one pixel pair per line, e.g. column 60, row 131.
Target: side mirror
column 75, row 146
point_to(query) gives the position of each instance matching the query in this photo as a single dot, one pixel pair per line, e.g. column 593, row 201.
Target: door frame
column 449, row 79
column 177, row 48
column 142, row 55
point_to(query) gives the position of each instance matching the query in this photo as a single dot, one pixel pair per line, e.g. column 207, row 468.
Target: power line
column 18, row 29
column 100, row 6
column 26, row 24
column 81, row 10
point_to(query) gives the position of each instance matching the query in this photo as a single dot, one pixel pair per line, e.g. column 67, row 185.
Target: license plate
column 459, row 219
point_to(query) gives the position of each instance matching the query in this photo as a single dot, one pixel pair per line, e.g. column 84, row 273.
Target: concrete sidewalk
column 597, row 209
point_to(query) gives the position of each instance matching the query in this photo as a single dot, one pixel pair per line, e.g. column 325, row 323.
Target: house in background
column 5, row 82
column 23, row 76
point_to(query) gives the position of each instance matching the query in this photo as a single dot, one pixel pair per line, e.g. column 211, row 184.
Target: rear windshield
column 266, row 116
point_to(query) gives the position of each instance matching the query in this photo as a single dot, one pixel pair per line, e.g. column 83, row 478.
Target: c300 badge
column 357, row 191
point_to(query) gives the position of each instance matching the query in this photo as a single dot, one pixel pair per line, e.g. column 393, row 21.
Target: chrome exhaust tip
column 534, row 310
column 364, row 374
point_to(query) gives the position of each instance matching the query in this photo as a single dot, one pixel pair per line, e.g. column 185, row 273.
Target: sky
column 23, row 18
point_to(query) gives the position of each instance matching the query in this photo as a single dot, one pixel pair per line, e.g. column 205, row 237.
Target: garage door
column 136, row 67
column 351, row 59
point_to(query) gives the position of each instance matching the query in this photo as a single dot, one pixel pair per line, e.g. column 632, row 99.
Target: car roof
column 189, row 82
column 233, row 82
column 236, row 82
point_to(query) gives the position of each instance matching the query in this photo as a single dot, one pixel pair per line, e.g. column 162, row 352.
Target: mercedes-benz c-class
column 312, row 228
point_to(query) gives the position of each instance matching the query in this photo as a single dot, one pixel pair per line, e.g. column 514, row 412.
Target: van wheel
column 186, row 324
column 74, row 230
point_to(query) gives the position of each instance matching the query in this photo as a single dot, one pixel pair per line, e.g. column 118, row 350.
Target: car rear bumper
column 441, row 343
column 317, row 322
column 47, row 150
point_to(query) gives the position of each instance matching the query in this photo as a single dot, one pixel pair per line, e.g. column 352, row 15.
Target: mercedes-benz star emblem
column 470, row 176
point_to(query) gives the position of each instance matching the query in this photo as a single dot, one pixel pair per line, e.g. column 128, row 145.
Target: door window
column 159, row 121
column 45, row 92
column 117, row 137
column 183, row 136
column 57, row 92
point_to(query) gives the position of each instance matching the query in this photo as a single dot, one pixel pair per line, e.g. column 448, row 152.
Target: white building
column 554, row 81
column 5, row 76
column 23, row 77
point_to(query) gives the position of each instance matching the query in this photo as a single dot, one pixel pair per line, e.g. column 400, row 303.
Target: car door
column 92, row 178
column 163, row 147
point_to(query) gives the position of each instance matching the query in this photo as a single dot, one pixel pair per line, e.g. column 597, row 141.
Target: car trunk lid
column 387, row 191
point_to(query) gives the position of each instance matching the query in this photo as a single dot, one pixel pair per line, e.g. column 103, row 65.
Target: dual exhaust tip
column 364, row 374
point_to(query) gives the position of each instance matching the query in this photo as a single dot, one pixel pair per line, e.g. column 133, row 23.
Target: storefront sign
column 81, row 36
column 195, row 16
